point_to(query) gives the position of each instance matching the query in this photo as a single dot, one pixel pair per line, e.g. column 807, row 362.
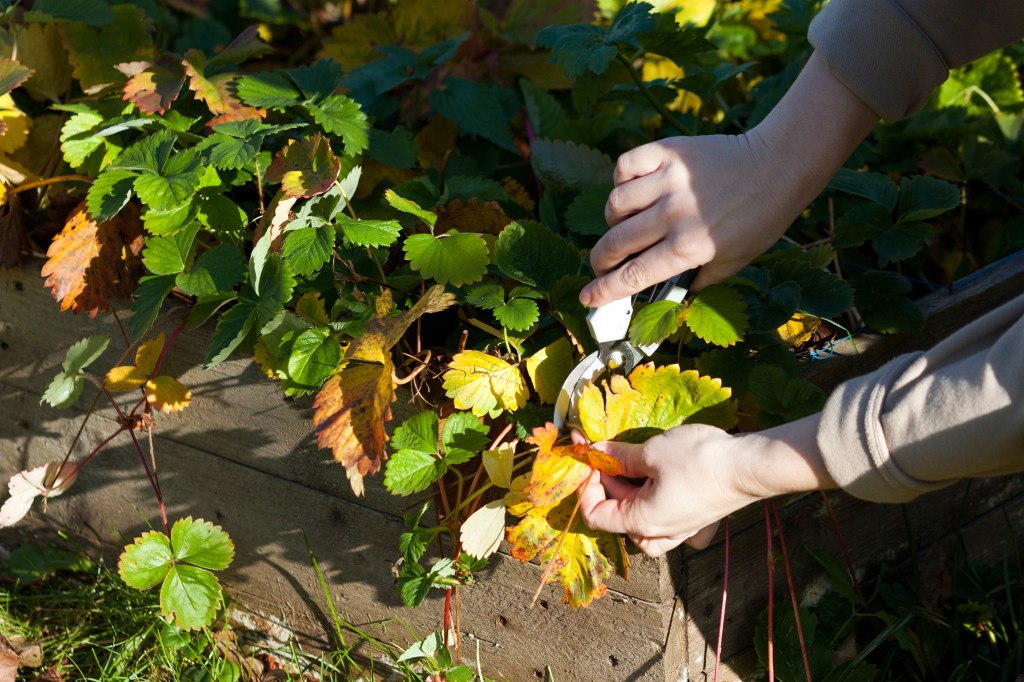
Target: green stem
column 658, row 106
column 352, row 212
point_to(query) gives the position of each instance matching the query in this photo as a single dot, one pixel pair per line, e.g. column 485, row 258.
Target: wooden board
column 243, row 457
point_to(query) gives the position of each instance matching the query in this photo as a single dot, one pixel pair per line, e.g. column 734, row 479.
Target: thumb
column 629, row 455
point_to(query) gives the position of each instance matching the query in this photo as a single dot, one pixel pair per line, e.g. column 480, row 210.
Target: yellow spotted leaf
column 559, row 470
column 351, row 408
column 124, row 378
column 549, row 367
column 167, row 394
column 311, row 307
column 798, row 330
column 485, row 384
column 581, row 559
column 305, row 167
column 216, row 91
column 652, row 400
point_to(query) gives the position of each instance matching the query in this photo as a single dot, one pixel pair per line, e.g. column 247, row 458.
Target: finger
column 642, row 160
column 618, row 488
column 602, row 513
column 703, row 537
column 629, row 455
column 631, row 236
column 651, row 267
column 632, row 197
column 578, row 437
column 656, row 546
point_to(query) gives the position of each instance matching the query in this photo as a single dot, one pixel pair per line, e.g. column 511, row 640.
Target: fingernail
column 586, row 297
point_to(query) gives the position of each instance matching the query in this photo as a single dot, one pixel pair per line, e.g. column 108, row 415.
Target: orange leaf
column 305, row 168
column 216, row 91
column 351, row 408
column 90, row 264
column 559, row 470
column 155, row 88
column 167, row 394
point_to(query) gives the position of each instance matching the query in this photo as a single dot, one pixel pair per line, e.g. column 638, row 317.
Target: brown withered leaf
column 471, row 216
column 216, row 91
column 351, row 408
column 88, row 264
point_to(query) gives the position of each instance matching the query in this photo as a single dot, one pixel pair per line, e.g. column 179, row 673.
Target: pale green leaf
column 406, row 206
column 463, row 436
column 315, row 355
column 215, row 271
column 190, row 596
column 308, row 248
column 518, row 314
column 64, row 389
column 369, row 232
column 453, row 258
column 201, row 543
column 147, row 561
column 655, row 322
column 83, row 353
column 717, row 315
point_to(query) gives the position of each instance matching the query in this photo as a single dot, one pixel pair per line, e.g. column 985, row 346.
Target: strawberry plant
column 412, row 206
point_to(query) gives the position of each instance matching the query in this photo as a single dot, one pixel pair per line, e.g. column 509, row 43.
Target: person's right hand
column 717, row 202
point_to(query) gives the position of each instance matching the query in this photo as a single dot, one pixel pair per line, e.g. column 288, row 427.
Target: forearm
column 781, row 460
column 811, row 133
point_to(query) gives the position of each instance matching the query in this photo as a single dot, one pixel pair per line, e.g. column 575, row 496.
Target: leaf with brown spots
column 154, row 88
column 559, row 470
column 351, row 408
column 305, row 168
column 216, row 91
column 89, row 264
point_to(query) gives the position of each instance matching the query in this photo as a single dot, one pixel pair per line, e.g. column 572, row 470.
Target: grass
column 93, row 627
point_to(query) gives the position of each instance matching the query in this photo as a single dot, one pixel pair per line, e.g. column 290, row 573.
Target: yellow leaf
column 125, row 378
column 167, row 394
column 516, row 499
column 3, row 195
column 798, row 330
column 549, row 367
column 148, row 353
column 498, row 464
column 651, row 401
column 559, row 470
column 14, row 125
column 485, row 384
column 481, row 533
column 311, row 307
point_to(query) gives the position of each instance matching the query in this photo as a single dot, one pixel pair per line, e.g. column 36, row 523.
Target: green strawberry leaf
column 531, row 253
column 570, row 166
column 518, row 314
column 453, row 258
column 201, row 543
column 655, row 322
column 464, row 435
column 418, row 432
column 717, row 315
column 369, row 232
column 149, row 298
column 267, row 89
column 170, row 255
column 477, row 109
column 341, row 116
column 306, row 249
column 902, row 241
column 173, row 185
column 146, row 562
column 585, row 214
column 923, row 197
column 782, row 398
column 64, row 389
column 406, row 206
column 233, row 327
column 110, row 193
column 89, row 12
column 315, row 355
column 190, row 596
column 487, row 296
column 215, row 271
column 83, row 353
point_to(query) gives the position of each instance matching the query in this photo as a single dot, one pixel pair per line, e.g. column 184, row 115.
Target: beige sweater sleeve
column 893, row 53
column 926, row 420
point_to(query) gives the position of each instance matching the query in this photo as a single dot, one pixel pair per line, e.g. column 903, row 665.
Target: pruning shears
column 609, row 325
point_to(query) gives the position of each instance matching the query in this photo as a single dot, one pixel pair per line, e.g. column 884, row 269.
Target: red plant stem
column 771, row 594
column 843, row 547
column 85, row 460
column 792, row 592
column 170, row 341
column 725, row 595
column 152, row 481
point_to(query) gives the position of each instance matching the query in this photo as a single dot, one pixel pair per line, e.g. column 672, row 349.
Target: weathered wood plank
column 618, row 637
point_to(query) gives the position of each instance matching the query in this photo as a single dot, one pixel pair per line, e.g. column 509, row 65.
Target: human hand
column 695, row 476
column 718, row 201
column 690, row 485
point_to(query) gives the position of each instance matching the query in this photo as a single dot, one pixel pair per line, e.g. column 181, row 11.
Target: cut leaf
column 484, row 384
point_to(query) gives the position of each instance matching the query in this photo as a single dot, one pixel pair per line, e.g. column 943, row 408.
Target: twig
column 792, row 592
column 49, row 181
